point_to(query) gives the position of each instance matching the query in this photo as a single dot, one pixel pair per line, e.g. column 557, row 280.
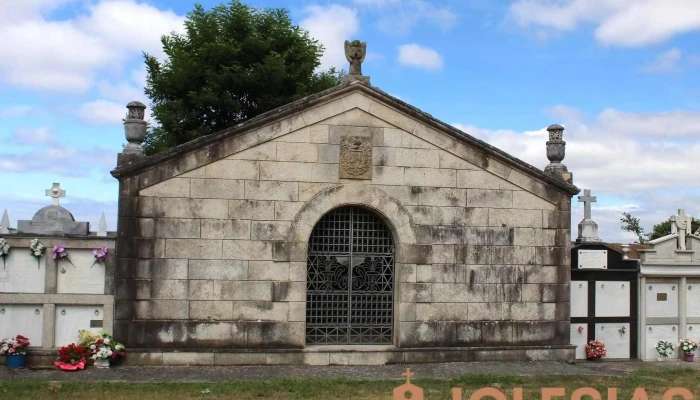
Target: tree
column 632, row 224
column 233, row 63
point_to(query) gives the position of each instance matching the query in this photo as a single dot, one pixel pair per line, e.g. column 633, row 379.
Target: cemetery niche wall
column 604, row 292
column 49, row 300
column 344, row 218
column 670, row 288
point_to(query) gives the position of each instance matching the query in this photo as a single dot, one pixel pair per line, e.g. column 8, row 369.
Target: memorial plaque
column 71, row 319
column 656, row 333
column 661, row 299
column 23, row 319
column 612, row 299
column 616, row 337
column 579, row 299
column 80, row 275
column 593, row 259
column 579, row 339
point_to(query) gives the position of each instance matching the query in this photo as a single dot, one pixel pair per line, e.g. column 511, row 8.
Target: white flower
column 92, row 347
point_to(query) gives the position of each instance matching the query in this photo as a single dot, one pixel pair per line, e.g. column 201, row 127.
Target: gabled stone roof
column 322, row 97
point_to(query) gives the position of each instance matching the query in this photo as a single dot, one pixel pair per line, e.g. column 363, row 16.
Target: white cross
column 55, row 193
column 681, row 224
column 587, row 199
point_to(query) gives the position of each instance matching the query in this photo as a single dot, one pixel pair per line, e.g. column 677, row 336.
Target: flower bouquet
column 60, row 252
column 100, row 255
column 595, row 349
column 37, row 250
column 105, row 350
column 4, row 250
column 664, row 349
column 71, row 358
column 688, row 346
column 15, row 349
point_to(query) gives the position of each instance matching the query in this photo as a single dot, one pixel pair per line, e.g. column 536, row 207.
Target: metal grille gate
column 350, row 279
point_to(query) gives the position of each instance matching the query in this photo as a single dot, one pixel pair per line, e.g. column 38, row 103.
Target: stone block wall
column 212, row 244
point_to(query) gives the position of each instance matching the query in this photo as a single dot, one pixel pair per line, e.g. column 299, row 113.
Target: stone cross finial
column 55, row 193
column 587, row 199
column 102, row 226
column 680, row 225
column 5, row 223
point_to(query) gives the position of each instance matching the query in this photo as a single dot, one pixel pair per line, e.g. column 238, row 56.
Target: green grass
column 654, row 381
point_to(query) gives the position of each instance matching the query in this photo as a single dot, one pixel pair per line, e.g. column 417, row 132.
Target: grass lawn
column 654, row 381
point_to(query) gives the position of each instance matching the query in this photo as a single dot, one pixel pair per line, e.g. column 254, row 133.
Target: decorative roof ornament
column 355, row 53
column 556, row 150
column 587, row 228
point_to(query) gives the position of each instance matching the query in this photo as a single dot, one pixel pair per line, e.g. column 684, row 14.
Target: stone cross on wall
column 680, row 224
column 587, row 199
column 55, row 193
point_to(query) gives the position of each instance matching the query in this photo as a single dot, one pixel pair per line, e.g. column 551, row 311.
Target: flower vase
column 689, row 357
column 102, row 363
column 15, row 361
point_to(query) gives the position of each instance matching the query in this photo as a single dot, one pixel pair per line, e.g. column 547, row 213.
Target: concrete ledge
column 362, row 355
column 56, row 298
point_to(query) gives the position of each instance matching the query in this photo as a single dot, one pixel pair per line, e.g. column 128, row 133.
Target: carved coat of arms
column 356, row 157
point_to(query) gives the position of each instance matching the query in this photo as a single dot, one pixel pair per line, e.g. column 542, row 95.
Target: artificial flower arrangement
column 71, row 357
column 580, row 328
column 595, row 349
column 687, row 345
column 100, row 255
column 37, row 250
column 4, row 250
column 664, row 348
column 16, row 346
column 60, row 252
column 622, row 330
column 105, row 350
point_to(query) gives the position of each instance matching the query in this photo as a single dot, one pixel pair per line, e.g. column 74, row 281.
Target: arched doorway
column 350, row 279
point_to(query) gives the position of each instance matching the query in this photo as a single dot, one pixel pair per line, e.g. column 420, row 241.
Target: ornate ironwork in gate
column 350, row 279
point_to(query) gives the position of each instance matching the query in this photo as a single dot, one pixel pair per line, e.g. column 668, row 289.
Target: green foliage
column 233, row 63
column 632, row 224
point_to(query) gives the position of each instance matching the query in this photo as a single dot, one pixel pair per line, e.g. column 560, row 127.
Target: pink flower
column 11, row 351
column 59, row 252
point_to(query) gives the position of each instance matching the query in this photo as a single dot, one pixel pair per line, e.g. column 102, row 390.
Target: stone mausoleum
column 346, row 227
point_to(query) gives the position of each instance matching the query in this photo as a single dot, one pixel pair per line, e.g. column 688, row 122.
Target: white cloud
column 414, row 55
column 667, row 61
column 398, row 17
column 42, row 135
column 641, row 158
column 66, row 55
column 16, row 111
column 617, row 22
column 102, row 112
column 61, row 160
column 331, row 25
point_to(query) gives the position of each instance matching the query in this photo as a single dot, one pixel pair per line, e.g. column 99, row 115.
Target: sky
column 622, row 76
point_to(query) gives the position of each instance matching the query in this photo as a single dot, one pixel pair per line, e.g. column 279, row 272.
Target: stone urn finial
column 135, row 128
column 556, row 150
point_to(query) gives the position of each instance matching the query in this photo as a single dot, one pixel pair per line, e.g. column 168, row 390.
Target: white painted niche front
column 661, row 299
column 22, row 319
column 22, row 272
column 656, row 333
column 80, row 275
column 616, row 337
column 579, row 339
column 71, row 319
column 579, row 299
column 612, row 299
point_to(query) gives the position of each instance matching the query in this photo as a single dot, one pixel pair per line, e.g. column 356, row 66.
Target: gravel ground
column 444, row 370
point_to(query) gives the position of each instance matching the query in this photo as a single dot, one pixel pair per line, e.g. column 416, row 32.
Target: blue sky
column 623, row 76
